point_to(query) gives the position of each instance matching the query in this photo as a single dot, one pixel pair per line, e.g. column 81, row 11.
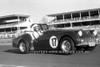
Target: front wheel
column 67, row 45
column 23, row 47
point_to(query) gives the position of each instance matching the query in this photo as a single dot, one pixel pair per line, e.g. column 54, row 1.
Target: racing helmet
column 35, row 27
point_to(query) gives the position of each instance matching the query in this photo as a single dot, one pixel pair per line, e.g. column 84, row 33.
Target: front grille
column 89, row 39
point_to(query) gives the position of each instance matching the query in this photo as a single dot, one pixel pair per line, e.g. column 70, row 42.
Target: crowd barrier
column 5, row 35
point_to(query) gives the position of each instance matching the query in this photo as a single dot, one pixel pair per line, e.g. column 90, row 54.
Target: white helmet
column 35, row 26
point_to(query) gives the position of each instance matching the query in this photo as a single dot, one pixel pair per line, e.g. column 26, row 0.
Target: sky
column 37, row 9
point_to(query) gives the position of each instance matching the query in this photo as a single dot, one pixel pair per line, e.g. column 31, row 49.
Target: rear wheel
column 23, row 47
column 67, row 45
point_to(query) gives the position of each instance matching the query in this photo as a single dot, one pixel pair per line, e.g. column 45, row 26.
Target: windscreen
column 44, row 26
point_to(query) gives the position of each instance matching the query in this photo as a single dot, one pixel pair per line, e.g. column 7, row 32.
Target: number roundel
column 53, row 41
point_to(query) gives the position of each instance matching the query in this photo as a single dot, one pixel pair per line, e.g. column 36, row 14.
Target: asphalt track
column 10, row 57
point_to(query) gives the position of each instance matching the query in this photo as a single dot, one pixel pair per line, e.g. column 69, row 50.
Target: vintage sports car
column 54, row 39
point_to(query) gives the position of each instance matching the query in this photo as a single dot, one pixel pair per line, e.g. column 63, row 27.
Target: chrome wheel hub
column 22, row 47
column 66, row 46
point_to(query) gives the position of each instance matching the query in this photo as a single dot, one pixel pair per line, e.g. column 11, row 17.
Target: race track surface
column 10, row 57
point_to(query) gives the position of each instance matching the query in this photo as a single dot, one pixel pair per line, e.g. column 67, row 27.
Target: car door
column 42, row 43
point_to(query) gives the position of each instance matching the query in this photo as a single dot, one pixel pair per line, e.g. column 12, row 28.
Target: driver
column 37, row 31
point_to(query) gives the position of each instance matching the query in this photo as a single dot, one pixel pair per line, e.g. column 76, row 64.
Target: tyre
column 67, row 45
column 23, row 47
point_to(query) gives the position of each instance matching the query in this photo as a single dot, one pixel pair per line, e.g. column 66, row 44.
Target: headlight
column 95, row 32
column 80, row 33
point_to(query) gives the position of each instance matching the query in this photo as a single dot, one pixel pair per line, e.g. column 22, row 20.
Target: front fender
column 74, row 36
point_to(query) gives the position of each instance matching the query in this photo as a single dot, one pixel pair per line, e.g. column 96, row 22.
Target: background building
column 83, row 19
column 11, row 25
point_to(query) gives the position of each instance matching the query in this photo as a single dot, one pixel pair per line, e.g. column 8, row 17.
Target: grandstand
column 11, row 25
column 83, row 19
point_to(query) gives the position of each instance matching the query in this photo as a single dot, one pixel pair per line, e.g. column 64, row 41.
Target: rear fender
column 25, row 37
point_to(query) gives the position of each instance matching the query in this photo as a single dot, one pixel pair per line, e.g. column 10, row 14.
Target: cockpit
column 39, row 27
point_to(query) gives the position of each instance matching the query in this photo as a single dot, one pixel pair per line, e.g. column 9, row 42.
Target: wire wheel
column 23, row 47
column 67, row 45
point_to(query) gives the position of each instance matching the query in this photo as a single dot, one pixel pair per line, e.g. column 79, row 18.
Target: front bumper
column 88, row 42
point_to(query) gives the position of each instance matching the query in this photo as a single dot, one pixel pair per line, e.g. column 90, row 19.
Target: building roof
column 52, row 15
column 13, row 16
